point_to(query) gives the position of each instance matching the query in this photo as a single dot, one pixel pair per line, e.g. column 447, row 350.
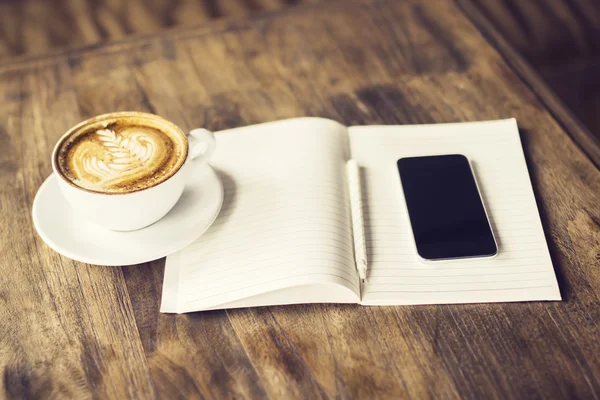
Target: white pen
column 360, row 246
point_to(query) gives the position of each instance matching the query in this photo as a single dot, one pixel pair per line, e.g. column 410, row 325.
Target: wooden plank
column 408, row 63
column 582, row 135
column 576, row 81
column 34, row 27
column 547, row 32
column 67, row 328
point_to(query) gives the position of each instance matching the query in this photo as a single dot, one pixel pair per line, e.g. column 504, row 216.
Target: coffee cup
column 126, row 170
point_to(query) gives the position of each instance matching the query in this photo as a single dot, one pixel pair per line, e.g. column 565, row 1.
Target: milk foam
column 121, row 156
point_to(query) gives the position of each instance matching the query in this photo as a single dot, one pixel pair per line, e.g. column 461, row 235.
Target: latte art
column 125, row 154
column 121, row 156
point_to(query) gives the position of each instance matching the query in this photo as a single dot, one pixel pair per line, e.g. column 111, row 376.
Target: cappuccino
column 121, row 152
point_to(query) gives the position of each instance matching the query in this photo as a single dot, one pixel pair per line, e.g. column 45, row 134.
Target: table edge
column 579, row 133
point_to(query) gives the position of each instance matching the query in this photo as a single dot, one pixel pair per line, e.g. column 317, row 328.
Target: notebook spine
column 358, row 228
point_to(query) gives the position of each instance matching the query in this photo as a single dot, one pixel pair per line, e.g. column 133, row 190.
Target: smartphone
column 447, row 215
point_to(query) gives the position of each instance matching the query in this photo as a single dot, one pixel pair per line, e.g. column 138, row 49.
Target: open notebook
column 285, row 233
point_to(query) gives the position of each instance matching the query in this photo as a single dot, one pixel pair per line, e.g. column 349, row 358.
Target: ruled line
column 506, row 192
column 283, row 218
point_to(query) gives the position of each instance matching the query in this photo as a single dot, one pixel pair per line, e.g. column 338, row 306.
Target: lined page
column 522, row 270
column 284, row 223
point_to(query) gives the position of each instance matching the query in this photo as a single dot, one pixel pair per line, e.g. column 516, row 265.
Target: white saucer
column 73, row 236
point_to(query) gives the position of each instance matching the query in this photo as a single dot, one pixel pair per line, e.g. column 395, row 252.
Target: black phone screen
column 445, row 208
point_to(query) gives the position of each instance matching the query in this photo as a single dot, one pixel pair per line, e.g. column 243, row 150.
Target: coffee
column 121, row 153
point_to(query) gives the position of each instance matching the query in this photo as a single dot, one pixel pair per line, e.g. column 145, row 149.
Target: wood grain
column 549, row 33
column 76, row 330
column 587, row 136
column 35, row 27
column 561, row 41
column 559, row 38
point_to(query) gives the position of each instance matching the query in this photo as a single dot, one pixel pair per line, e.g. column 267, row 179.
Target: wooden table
column 73, row 330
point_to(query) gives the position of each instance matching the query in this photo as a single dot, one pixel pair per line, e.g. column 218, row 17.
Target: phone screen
column 446, row 212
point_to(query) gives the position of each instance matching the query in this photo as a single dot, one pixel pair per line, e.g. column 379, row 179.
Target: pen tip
column 362, row 272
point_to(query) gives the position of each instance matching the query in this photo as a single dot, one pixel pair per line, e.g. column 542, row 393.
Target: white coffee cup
column 138, row 209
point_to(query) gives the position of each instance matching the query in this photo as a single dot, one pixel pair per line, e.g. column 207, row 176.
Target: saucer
column 73, row 236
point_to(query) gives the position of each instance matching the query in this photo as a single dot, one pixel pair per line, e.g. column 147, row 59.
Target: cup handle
column 202, row 145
